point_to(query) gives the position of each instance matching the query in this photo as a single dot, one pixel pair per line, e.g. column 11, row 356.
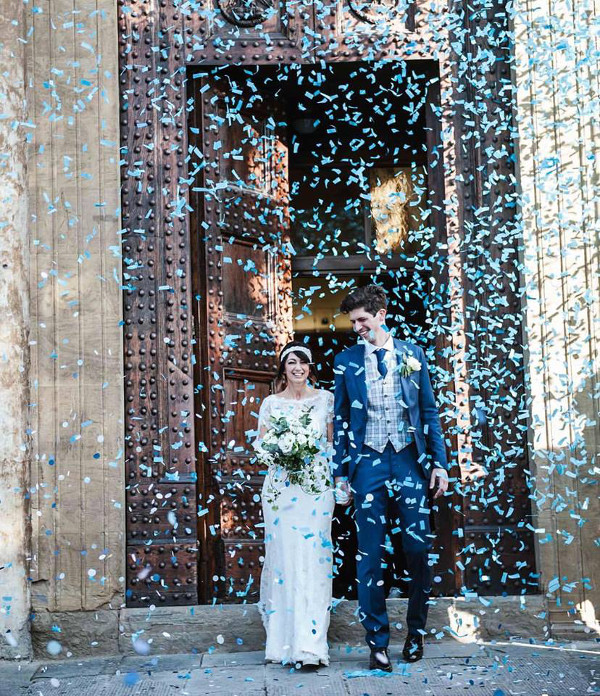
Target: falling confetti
column 270, row 161
column 53, row 647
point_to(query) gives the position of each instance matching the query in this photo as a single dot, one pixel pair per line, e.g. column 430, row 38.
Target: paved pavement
column 487, row 669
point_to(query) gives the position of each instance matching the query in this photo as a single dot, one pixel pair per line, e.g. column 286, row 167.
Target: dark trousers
column 390, row 486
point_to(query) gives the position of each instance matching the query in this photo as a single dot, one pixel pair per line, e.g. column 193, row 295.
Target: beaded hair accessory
column 299, row 349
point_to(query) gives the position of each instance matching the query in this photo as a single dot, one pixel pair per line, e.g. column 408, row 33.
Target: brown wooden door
column 250, row 32
column 352, row 30
column 244, row 316
column 446, row 520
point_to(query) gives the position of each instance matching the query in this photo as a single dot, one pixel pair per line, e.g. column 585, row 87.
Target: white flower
column 270, row 438
column 303, row 438
column 412, row 364
column 286, row 442
column 311, row 435
column 264, row 457
column 295, row 428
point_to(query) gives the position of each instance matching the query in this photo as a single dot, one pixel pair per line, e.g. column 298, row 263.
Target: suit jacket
column 350, row 407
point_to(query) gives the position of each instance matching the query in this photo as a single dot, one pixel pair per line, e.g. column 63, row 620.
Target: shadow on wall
column 566, row 506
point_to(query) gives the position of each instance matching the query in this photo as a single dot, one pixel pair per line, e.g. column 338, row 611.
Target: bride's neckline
column 299, row 401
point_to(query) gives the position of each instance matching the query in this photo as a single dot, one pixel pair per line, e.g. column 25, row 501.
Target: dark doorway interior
column 360, row 196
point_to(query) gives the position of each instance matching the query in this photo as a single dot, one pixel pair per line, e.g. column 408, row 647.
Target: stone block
column 511, row 617
column 81, row 634
column 252, row 657
column 207, row 628
column 74, row 667
column 153, row 664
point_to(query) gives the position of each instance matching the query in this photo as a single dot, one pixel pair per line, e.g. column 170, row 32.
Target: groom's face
column 366, row 325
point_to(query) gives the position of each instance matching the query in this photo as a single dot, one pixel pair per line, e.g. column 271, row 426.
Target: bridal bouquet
column 289, row 449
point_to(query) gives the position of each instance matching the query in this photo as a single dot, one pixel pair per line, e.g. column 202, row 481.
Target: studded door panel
column 249, row 31
column 160, row 466
column 204, row 214
column 496, row 504
column 244, row 314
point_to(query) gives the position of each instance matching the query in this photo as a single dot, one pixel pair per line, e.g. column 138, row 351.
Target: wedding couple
column 388, row 452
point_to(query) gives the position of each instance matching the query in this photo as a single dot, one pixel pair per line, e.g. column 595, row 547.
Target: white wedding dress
column 295, row 586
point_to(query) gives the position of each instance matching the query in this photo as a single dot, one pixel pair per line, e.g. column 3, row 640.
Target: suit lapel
column 400, row 354
column 362, row 377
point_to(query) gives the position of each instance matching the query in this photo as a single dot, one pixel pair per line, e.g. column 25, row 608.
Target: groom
column 389, row 449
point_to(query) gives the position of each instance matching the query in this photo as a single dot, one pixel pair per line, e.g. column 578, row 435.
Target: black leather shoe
column 375, row 661
column 413, row 648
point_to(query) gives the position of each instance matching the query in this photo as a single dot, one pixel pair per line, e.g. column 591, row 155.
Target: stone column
column 14, row 331
column 557, row 86
column 77, row 464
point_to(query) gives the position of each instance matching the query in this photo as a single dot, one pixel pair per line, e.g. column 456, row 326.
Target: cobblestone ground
column 492, row 669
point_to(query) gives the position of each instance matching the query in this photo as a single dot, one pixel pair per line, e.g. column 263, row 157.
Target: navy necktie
column 381, row 366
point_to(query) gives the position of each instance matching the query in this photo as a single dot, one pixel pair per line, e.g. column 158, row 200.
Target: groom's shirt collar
column 370, row 348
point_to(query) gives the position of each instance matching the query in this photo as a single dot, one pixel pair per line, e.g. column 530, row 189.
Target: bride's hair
column 280, row 380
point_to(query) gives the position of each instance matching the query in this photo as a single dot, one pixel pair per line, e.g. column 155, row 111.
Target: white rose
column 311, row 435
column 302, row 438
column 270, row 437
column 413, row 364
column 286, row 443
column 295, row 427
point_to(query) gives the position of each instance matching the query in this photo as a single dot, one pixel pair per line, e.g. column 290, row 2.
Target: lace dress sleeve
column 264, row 414
column 329, row 406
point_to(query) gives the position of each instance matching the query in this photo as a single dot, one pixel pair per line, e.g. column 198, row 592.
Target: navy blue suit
column 389, row 487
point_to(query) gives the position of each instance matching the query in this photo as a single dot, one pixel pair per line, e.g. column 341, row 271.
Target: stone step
column 238, row 627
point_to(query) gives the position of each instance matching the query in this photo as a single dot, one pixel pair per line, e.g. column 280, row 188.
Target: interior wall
column 557, row 78
column 77, row 366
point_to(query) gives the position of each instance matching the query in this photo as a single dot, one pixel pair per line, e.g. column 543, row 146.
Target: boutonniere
column 409, row 365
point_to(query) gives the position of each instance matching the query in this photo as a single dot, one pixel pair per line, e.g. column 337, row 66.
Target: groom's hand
column 344, row 487
column 439, row 482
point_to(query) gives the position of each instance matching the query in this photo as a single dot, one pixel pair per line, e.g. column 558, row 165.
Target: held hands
column 342, row 492
column 439, row 482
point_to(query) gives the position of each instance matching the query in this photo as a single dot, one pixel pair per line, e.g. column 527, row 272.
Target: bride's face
column 296, row 371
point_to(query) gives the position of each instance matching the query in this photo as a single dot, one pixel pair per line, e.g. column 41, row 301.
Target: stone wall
column 558, row 85
column 14, row 354
column 77, row 474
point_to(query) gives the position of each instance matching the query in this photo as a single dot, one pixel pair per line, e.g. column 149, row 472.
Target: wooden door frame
column 161, row 443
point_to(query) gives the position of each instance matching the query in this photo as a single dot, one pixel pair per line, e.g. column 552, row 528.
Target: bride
column 295, row 586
